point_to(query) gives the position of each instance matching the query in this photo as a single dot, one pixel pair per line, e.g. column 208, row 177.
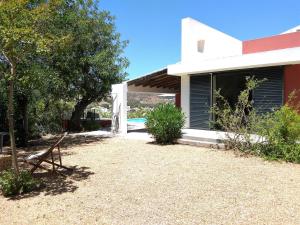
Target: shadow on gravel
column 68, row 142
column 56, row 184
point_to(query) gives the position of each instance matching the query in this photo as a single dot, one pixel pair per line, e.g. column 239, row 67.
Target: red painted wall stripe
column 292, row 82
column 277, row 42
column 178, row 100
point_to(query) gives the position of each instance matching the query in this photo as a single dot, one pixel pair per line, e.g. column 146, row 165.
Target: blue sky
column 153, row 26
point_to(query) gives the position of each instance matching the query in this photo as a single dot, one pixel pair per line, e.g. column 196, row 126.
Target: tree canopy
column 55, row 54
column 93, row 61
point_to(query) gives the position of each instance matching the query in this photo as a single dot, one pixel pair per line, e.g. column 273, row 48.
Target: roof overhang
column 158, row 82
column 247, row 61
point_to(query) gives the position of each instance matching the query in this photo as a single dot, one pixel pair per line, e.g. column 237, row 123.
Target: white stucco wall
column 216, row 43
column 185, row 98
column 119, row 96
column 294, row 29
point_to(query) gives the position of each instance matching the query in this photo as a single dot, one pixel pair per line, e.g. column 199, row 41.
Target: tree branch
column 7, row 59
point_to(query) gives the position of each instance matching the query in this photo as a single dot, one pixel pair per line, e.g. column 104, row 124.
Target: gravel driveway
column 118, row 181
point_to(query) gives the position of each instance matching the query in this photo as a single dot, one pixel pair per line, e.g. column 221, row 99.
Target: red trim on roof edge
column 277, row 42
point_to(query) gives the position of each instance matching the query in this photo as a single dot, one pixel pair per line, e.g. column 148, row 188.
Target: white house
column 212, row 60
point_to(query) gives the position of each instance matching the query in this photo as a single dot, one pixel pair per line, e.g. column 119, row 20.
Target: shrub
column 91, row 125
column 278, row 132
column 165, row 122
column 138, row 112
column 238, row 121
column 281, row 130
column 92, row 115
column 11, row 184
column 106, row 114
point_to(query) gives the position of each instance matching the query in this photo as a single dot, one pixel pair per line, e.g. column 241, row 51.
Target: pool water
column 137, row 120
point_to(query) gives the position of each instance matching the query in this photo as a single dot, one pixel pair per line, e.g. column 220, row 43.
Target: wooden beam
column 175, row 86
column 143, row 80
column 173, row 82
column 167, row 79
column 158, row 80
column 164, row 81
column 148, row 77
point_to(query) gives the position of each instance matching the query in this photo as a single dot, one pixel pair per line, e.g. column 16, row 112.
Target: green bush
column 106, row 114
column 138, row 113
column 11, row 184
column 91, row 125
column 238, row 121
column 278, row 131
column 281, row 130
column 165, row 122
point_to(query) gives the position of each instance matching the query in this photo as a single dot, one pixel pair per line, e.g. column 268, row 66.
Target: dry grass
column 119, row 181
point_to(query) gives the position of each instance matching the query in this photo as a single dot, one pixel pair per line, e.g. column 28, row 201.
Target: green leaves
column 62, row 50
column 11, row 185
column 281, row 130
column 19, row 33
column 275, row 135
column 165, row 122
column 93, row 59
column 240, row 120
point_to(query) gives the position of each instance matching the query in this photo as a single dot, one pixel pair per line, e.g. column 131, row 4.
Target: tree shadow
column 69, row 141
column 58, row 183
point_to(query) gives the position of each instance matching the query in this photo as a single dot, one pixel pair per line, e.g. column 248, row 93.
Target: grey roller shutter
column 269, row 95
column 200, row 98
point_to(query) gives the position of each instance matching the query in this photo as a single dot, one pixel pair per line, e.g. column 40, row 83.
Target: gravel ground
column 118, row 181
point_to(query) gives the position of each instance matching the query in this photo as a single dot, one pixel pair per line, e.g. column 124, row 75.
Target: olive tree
column 24, row 32
column 93, row 61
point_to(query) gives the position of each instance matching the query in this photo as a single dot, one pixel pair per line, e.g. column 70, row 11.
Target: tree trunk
column 77, row 113
column 22, row 128
column 25, row 117
column 10, row 113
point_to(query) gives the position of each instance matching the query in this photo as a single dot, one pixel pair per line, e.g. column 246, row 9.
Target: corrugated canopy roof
column 158, row 79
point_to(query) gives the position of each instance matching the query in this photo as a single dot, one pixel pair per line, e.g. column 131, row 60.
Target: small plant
column 106, row 114
column 138, row 112
column 277, row 133
column 240, row 121
column 11, row 184
column 91, row 125
column 165, row 122
column 281, row 130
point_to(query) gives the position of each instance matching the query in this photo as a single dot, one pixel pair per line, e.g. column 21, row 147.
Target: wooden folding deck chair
column 37, row 159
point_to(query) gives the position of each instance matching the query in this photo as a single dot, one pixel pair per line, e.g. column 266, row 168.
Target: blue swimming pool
column 137, row 120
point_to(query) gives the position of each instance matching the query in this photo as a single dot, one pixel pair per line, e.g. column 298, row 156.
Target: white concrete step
column 205, row 144
column 203, row 138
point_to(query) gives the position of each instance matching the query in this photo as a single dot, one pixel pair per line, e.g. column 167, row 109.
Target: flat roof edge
column 254, row 60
